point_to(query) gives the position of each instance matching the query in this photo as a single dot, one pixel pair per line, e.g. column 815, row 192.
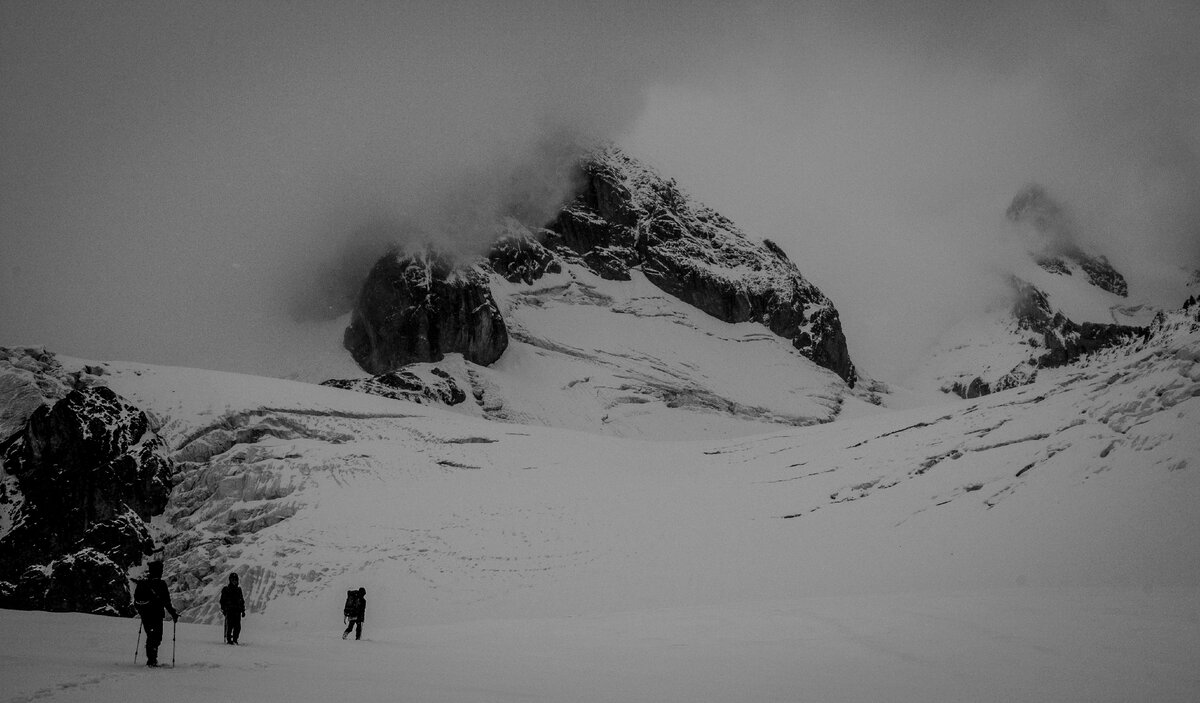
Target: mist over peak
column 1044, row 217
column 200, row 164
column 172, row 176
column 460, row 219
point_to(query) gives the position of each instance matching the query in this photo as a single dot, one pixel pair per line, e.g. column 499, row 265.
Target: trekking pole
column 174, row 628
column 137, row 646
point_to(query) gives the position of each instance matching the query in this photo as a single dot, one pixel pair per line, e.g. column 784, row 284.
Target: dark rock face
column 522, row 259
column 84, row 582
column 1102, row 274
column 406, row 385
column 90, row 472
column 421, row 307
column 1022, row 375
column 31, row 377
column 1056, row 339
column 1063, row 339
column 625, row 215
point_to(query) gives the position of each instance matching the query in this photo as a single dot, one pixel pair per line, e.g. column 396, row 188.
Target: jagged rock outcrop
column 522, row 259
column 1055, row 248
column 1063, row 340
column 437, row 387
column 626, row 215
column 89, row 472
column 31, row 377
column 420, row 307
column 1053, row 338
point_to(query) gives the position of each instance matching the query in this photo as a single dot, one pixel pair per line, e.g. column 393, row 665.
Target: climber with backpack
column 151, row 598
column 354, row 612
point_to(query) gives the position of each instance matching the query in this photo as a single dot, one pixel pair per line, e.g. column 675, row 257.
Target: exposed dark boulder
column 89, row 471
column 84, row 582
column 406, row 385
column 420, row 307
column 976, row 388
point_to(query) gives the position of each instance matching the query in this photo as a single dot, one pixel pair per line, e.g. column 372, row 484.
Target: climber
column 354, row 612
column 151, row 598
column 233, row 605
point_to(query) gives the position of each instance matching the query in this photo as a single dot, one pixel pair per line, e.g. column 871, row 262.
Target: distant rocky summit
column 1055, row 248
column 82, row 477
column 627, row 215
column 624, row 215
column 1048, row 337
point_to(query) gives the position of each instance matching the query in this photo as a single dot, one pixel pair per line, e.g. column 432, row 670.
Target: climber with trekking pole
column 151, row 598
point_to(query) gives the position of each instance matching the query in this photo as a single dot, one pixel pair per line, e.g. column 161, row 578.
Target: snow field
column 1033, row 545
column 1053, row 645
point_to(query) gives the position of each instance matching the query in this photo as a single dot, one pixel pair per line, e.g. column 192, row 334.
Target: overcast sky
column 172, row 174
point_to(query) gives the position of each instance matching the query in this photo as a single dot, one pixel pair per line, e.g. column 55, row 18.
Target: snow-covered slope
column 1087, row 477
column 1030, row 645
column 507, row 560
column 627, row 359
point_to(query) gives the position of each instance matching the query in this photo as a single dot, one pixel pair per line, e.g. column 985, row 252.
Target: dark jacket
column 151, row 597
column 360, row 609
column 232, row 600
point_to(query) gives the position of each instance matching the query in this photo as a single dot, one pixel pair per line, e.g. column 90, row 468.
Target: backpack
column 353, row 604
column 143, row 597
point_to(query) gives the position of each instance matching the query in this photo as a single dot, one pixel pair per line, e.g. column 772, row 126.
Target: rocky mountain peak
column 1054, row 243
column 627, row 215
column 1033, row 205
column 417, row 307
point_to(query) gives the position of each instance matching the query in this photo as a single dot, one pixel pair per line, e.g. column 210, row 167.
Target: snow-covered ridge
column 451, row 515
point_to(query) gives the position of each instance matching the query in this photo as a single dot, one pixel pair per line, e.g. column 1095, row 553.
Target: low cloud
column 172, row 175
column 881, row 144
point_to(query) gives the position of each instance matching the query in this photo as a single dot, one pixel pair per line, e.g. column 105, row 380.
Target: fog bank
column 178, row 183
column 881, row 148
column 173, row 174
